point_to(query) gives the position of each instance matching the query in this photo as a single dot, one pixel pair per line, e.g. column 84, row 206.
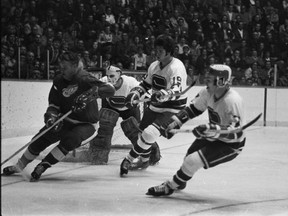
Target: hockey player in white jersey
column 113, row 108
column 166, row 76
column 225, row 109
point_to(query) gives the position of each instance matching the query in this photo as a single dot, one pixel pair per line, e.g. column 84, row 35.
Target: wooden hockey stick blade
column 37, row 137
column 172, row 95
column 236, row 130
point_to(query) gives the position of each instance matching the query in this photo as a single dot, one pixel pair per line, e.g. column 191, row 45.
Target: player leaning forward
column 211, row 148
column 70, row 90
column 166, row 76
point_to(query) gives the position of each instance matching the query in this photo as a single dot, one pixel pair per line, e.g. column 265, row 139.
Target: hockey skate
column 164, row 189
column 139, row 164
column 10, row 170
column 39, row 169
column 125, row 166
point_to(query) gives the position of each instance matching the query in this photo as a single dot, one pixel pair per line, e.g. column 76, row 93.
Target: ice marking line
column 231, row 205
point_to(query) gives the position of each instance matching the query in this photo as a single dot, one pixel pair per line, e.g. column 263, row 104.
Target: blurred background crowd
column 251, row 36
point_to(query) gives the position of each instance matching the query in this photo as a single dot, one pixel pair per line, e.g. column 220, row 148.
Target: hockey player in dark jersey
column 211, row 148
column 66, row 94
column 166, row 76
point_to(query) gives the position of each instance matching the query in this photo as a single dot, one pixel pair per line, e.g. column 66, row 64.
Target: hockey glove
column 207, row 131
column 106, row 90
column 50, row 118
column 160, row 96
column 175, row 122
column 131, row 97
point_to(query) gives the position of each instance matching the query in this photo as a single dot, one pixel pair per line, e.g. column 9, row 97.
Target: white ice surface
column 255, row 183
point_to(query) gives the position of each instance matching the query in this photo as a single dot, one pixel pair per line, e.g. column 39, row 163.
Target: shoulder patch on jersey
column 69, row 90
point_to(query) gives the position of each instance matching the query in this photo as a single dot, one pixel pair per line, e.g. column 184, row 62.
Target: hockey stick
column 172, row 95
column 37, row 137
column 236, row 130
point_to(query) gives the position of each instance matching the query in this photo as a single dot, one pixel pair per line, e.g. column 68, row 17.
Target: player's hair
column 166, row 42
column 69, row 56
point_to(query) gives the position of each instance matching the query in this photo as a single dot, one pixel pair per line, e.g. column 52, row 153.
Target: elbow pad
column 192, row 112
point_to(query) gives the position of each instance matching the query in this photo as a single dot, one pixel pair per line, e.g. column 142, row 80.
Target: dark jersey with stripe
column 63, row 94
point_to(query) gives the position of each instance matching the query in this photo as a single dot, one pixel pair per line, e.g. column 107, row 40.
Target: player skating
column 211, row 148
column 70, row 90
column 113, row 108
column 165, row 77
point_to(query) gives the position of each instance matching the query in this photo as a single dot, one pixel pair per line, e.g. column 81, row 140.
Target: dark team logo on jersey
column 70, row 90
column 158, row 82
column 213, row 116
column 117, row 101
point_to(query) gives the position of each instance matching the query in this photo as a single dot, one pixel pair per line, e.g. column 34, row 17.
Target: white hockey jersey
column 227, row 111
column 118, row 100
column 172, row 77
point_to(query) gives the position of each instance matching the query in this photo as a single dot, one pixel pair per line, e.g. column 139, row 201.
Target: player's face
column 67, row 69
column 210, row 83
column 113, row 77
column 160, row 53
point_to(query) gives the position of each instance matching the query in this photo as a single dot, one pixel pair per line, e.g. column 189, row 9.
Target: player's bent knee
column 150, row 134
column 192, row 163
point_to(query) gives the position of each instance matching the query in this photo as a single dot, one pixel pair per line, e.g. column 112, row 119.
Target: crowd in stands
column 251, row 36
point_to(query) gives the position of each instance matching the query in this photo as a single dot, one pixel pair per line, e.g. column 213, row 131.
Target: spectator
column 123, row 27
column 195, row 48
column 224, row 32
column 236, row 61
column 122, row 54
column 230, row 14
column 140, row 58
column 255, row 79
column 254, row 58
column 151, row 57
column 54, row 52
column 36, row 73
column 226, row 50
column 209, row 25
column 94, row 61
column 85, row 57
column 240, row 33
column 211, row 50
column 149, row 44
column 201, row 63
column 37, row 47
column 3, row 65
column 183, row 27
column 105, row 37
column 181, row 44
column 110, row 18
column 186, row 55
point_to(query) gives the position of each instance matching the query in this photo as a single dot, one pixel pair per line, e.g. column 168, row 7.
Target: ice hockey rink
column 255, row 183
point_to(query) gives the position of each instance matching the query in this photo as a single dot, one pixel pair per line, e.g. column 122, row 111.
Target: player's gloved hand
column 175, row 122
column 207, row 131
column 130, row 99
column 80, row 103
column 50, row 118
column 160, row 96
column 106, row 90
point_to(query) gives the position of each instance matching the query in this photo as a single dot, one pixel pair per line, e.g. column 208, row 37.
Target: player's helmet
column 166, row 42
column 222, row 74
column 113, row 74
column 112, row 68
